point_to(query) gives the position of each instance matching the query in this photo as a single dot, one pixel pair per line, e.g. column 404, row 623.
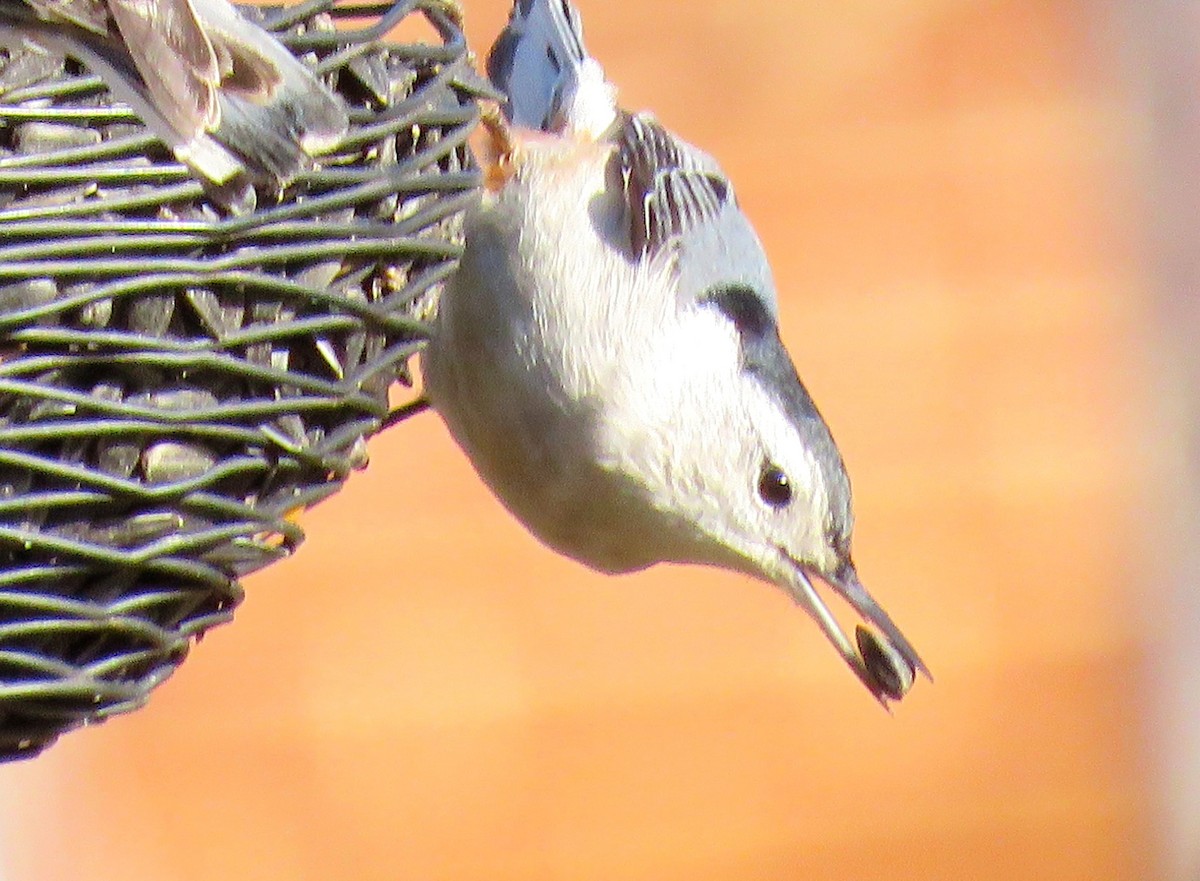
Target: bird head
column 732, row 451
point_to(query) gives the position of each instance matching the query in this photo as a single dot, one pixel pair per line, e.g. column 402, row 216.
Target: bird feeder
column 176, row 382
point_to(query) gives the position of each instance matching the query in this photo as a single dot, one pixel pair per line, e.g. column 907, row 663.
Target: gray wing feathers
column 275, row 87
column 670, row 186
column 173, row 55
column 91, row 15
column 680, row 208
column 110, row 62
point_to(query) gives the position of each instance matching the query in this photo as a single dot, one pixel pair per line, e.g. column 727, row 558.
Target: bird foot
column 498, row 147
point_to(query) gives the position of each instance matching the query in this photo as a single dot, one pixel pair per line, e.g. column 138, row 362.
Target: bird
column 225, row 95
column 608, row 353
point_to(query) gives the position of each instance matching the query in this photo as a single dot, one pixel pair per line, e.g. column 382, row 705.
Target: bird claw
column 498, row 148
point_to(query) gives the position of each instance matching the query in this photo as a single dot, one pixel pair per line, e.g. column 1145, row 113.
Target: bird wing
column 164, row 41
column 202, row 62
column 274, row 88
column 91, row 15
column 175, row 58
column 670, row 187
column 225, row 95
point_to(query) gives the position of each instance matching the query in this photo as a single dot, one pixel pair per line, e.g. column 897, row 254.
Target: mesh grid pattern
column 176, row 383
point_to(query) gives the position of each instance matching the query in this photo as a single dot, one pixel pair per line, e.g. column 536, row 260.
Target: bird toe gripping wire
column 177, row 379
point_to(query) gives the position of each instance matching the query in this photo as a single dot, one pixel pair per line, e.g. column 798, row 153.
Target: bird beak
column 887, row 665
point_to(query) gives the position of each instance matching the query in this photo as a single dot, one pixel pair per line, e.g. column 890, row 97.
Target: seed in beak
column 892, row 674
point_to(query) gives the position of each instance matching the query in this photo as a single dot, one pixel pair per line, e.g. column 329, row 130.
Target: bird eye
column 774, row 487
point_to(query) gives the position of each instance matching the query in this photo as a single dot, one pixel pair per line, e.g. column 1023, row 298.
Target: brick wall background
column 957, row 200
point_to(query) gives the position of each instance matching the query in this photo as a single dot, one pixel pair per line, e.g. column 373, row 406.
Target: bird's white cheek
column 806, row 537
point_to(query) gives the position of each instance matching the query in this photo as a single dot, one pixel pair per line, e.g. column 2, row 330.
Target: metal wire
column 176, row 384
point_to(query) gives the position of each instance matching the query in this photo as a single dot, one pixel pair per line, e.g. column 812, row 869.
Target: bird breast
column 544, row 316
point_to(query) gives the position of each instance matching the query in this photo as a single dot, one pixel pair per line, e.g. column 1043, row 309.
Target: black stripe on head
column 764, row 358
column 745, row 308
column 763, row 354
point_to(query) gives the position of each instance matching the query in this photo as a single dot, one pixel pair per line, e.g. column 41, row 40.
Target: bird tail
column 540, row 63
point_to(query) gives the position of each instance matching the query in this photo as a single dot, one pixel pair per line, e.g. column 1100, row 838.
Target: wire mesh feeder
column 175, row 383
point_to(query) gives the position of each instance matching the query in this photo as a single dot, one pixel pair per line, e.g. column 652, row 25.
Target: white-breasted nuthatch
column 223, row 94
column 608, row 353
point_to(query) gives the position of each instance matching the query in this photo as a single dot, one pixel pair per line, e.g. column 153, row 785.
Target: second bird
column 224, row 94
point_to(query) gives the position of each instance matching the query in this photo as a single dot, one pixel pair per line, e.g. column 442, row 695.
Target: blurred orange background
column 954, row 195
